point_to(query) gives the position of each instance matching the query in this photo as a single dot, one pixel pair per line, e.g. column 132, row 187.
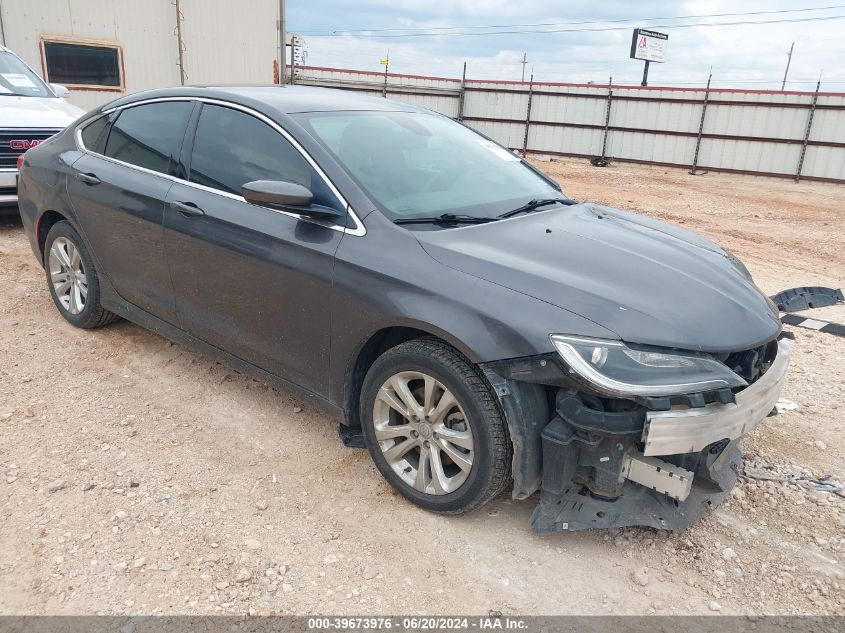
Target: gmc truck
column 31, row 111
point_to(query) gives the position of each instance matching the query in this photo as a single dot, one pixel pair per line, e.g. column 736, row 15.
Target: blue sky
column 752, row 56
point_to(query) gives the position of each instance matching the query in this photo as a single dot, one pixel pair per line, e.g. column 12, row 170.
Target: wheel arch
column 524, row 406
column 377, row 344
column 43, row 224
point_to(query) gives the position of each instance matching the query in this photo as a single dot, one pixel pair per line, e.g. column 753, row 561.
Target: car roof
column 282, row 99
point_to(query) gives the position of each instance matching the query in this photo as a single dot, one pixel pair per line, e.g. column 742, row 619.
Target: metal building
column 102, row 49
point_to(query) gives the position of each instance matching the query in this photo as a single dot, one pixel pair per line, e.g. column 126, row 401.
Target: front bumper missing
column 598, row 478
column 576, row 509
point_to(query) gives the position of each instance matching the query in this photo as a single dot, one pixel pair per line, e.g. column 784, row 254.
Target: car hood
column 37, row 112
column 647, row 281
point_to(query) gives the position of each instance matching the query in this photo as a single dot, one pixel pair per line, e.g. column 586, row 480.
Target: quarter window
column 232, row 148
column 83, row 64
column 94, row 135
column 149, row 136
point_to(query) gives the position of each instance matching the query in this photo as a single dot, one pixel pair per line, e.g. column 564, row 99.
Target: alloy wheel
column 423, row 433
column 67, row 274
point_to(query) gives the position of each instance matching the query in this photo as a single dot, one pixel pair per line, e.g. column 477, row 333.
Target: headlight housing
column 619, row 370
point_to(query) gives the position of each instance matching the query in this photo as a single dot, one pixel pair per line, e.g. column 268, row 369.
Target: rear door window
column 232, row 148
column 149, row 135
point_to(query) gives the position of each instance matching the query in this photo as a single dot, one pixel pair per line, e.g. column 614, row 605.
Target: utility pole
column 180, row 44
column 524, row 62
column 386, row 63
column 282, row 44
column 788, row 61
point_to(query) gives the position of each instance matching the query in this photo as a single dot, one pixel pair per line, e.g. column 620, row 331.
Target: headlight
column 619, row 370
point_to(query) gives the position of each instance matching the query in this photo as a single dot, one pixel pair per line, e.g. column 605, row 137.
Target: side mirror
column 60, row 90
column 287, row 196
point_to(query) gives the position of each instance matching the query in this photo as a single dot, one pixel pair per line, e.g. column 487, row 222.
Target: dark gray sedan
column 441, row 297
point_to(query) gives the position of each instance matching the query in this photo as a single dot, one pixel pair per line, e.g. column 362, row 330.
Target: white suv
column 31, row 111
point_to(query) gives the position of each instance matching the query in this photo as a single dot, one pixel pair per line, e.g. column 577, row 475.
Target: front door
column 250, row 280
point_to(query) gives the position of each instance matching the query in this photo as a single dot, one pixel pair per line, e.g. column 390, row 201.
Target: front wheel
column 434, row 428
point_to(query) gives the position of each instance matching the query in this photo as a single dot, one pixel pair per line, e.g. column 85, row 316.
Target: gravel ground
column 140, row 477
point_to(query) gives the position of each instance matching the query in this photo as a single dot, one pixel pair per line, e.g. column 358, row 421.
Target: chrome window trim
column 358, row 231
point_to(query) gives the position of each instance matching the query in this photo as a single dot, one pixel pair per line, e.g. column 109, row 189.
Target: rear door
column 118, row 189
column 251, row 280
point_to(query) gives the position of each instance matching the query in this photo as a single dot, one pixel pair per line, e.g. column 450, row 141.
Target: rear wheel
column 434, row 427
column 72, row 278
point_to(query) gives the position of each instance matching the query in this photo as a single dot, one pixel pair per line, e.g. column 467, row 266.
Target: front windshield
column 421, row 165
column 17, row 79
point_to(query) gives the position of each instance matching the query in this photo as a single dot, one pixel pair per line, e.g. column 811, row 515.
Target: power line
column 571, row 23
column 666, row 80
column 591, row 30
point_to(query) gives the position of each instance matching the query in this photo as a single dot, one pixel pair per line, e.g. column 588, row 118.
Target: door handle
column 188, row 209
column 88, row 179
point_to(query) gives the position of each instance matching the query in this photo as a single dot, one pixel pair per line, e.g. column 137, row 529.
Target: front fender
column 386, row 279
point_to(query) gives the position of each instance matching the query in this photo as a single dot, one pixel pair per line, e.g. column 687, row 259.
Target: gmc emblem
column 23, row 144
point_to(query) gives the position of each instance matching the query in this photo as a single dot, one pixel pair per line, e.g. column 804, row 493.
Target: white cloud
column 753, row 56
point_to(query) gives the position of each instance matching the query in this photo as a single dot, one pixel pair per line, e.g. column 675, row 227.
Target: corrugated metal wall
column 435, row 93
column 747, row 131
column 144, row 31
column 225, row 41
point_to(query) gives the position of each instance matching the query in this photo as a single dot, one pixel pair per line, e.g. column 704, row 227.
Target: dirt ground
column 141, row 477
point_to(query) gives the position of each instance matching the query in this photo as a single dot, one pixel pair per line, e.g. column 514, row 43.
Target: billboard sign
column 648, row 45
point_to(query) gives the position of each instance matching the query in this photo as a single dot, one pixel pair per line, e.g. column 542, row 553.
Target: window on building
column 149, row 135
column 82, row 64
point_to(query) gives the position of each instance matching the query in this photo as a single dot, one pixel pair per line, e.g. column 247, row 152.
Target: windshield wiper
column 446, row 218
column 533, row 205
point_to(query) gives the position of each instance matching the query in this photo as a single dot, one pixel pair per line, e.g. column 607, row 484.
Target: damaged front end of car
column 616, row 435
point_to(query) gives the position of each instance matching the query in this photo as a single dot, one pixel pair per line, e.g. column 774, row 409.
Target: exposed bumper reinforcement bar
column 691, row 430
column 594, row 475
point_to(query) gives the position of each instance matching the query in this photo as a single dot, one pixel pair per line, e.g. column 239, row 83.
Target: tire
column 473, row 429
column 64, row 251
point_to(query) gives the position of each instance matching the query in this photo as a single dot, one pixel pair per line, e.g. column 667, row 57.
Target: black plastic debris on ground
column 798, row 299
